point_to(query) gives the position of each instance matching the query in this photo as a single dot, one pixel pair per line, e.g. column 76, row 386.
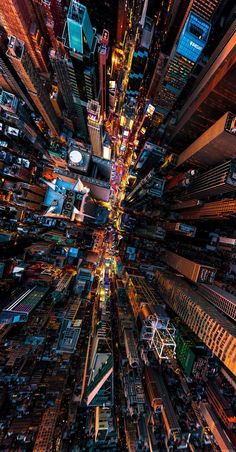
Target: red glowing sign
column 105, row 37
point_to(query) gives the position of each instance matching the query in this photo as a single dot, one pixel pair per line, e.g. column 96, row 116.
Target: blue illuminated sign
column 142, row 159
column 73, row 252
column 193, row 38
column 79, row 26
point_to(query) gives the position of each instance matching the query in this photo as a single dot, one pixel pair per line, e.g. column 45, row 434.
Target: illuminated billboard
column 193, row 38
column 150, row 110
column 105, row 37
column 93, row 109
column 13, row 131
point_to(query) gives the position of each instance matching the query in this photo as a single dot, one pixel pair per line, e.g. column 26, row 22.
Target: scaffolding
column 159, row 333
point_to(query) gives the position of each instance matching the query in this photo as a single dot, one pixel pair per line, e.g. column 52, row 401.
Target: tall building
column 75, row 64
column 95, row 126
column 191, row 270
column 219, row 138
column 45, row 434
column 157, row 332
column 216, row 181
column 171, row 16
column 161, row 401
column 56, row 101
column 103, row 84
column 189, row 27
column 19, row 19
column 14, row 113
column 212, row 421
column 103, row 417
column 22, row 306
column 53, row 13
column 9, row 79
column 207, row 101
column 149, row 188
column 80, row 39
column 220, row 298
column 65, row 74
column 206, row 10
column 222, row 209
column 203, row 319
column 122, row 20
column 180, row 229
column 150, row 156
column 186, row 51
column 147, row 33
column 20, row 59
column 100, row 389
column 221, row 405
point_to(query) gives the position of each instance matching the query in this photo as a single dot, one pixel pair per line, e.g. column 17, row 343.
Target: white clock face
column 75, row 157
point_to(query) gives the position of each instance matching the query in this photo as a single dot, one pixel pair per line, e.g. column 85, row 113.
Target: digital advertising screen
column 193, row 38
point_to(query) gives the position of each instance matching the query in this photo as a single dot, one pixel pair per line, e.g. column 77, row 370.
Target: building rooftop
column 79, row 157
column 69, row 336
column 196, row 299
column 19, row 309
column 79, row 27
column 8, row 101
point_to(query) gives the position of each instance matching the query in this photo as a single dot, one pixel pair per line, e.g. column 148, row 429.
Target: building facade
column 203, row 319
column 24, row 66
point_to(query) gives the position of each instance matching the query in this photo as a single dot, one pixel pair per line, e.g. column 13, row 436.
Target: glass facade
column 80, row 30
column 193, row 38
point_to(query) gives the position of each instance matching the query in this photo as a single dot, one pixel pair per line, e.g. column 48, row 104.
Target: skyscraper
column 103, row 85
column 149, row 188
column 9, row 79
column 199, row 152
column 19, row 19
column 53, row 13
column 95, row 127
column 224, row 208
column 207, row 102
column 150, row 155
column 193, row 271
column 204, row 9
column 122, row 20
column 15, row 113
column 221, row 299
column 20, row 59
column 185, row 53
column 81, row 41
column 211, row 327
column 218, row 180
column 75, row 64
column 65, row 74
column 174, row 66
